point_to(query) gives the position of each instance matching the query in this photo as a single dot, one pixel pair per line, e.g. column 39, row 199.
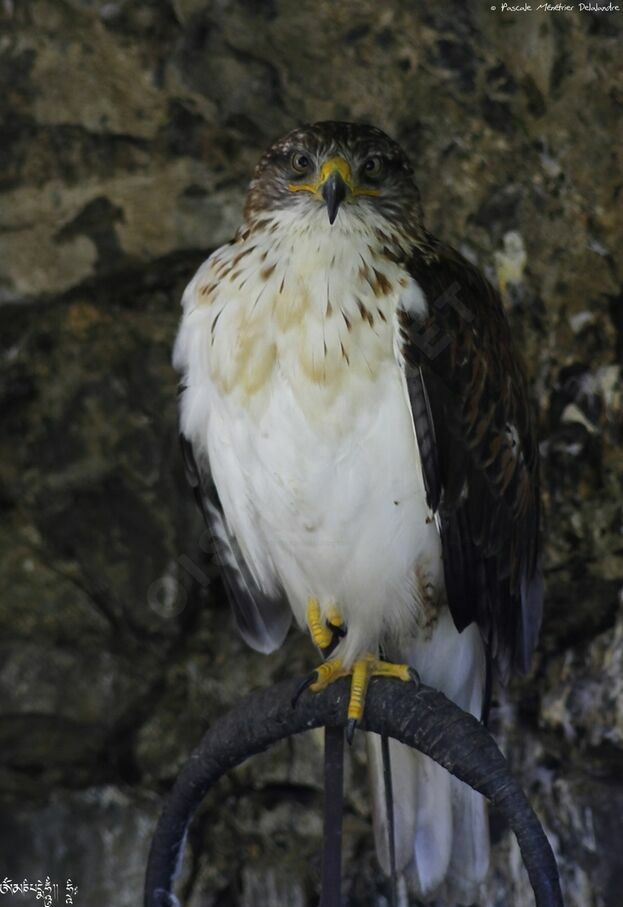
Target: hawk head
column 346, row 169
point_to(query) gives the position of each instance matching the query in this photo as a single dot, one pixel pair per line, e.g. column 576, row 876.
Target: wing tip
column 531, row 617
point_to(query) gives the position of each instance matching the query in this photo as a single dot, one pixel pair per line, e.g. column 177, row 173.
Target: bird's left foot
column 362, row 670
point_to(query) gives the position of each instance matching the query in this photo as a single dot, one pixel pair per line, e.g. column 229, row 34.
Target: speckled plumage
column 295, row 348
column 341, row 452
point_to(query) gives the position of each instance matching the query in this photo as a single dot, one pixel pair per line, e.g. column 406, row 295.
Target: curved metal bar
column 418, row 716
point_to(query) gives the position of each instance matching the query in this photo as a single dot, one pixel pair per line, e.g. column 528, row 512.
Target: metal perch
column 420, row 717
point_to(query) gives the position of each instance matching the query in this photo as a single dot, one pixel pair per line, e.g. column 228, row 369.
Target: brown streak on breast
column 266, row 272
column 222, row 269
column 238, row 258
column 349, row 326
column 404, row 319
column 259, row 225
column 365, row 314
column 391, row 255
column 381, row 285
column 344, row 354
column 214, row 322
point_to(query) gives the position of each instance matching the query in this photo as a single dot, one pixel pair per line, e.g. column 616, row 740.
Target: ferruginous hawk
column 357, row 429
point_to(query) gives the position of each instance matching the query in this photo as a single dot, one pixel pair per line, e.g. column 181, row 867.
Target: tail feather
column 440, row 825
column 469, row 862
column 432, row 845
column 404, row 818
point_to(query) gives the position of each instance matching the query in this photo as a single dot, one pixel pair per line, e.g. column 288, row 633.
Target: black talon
column 351, row 727
column 337, row 629
column 303, row 685
column 338, row 632
column 415, row 677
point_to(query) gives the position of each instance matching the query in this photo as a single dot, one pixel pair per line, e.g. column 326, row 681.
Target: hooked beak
column 335, row 183
column 334, row 191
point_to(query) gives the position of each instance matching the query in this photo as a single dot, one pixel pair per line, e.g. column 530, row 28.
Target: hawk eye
column 300, row 162
column 373, row 166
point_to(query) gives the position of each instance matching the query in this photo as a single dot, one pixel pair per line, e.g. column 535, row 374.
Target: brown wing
column 478, row 445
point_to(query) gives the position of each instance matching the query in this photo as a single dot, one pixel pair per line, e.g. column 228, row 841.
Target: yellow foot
column 325, row 635
column 362, row 670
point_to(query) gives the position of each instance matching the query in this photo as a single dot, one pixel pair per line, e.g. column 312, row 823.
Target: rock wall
column 129, row 131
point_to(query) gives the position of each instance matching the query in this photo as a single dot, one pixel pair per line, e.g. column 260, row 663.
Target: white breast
column 297, row 394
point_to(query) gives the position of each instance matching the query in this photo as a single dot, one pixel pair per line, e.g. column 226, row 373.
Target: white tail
column 440, row 825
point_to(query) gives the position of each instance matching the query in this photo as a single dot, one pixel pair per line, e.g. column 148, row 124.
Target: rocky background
column 129, row 131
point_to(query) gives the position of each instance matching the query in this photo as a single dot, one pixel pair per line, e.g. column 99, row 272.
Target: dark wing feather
column 479, row 452
column 262, row 619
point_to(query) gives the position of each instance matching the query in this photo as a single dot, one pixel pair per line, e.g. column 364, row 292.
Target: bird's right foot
column 328, row 634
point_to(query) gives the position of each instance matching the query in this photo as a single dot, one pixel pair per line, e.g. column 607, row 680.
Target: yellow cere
column 339, row 164
column 329, row 167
